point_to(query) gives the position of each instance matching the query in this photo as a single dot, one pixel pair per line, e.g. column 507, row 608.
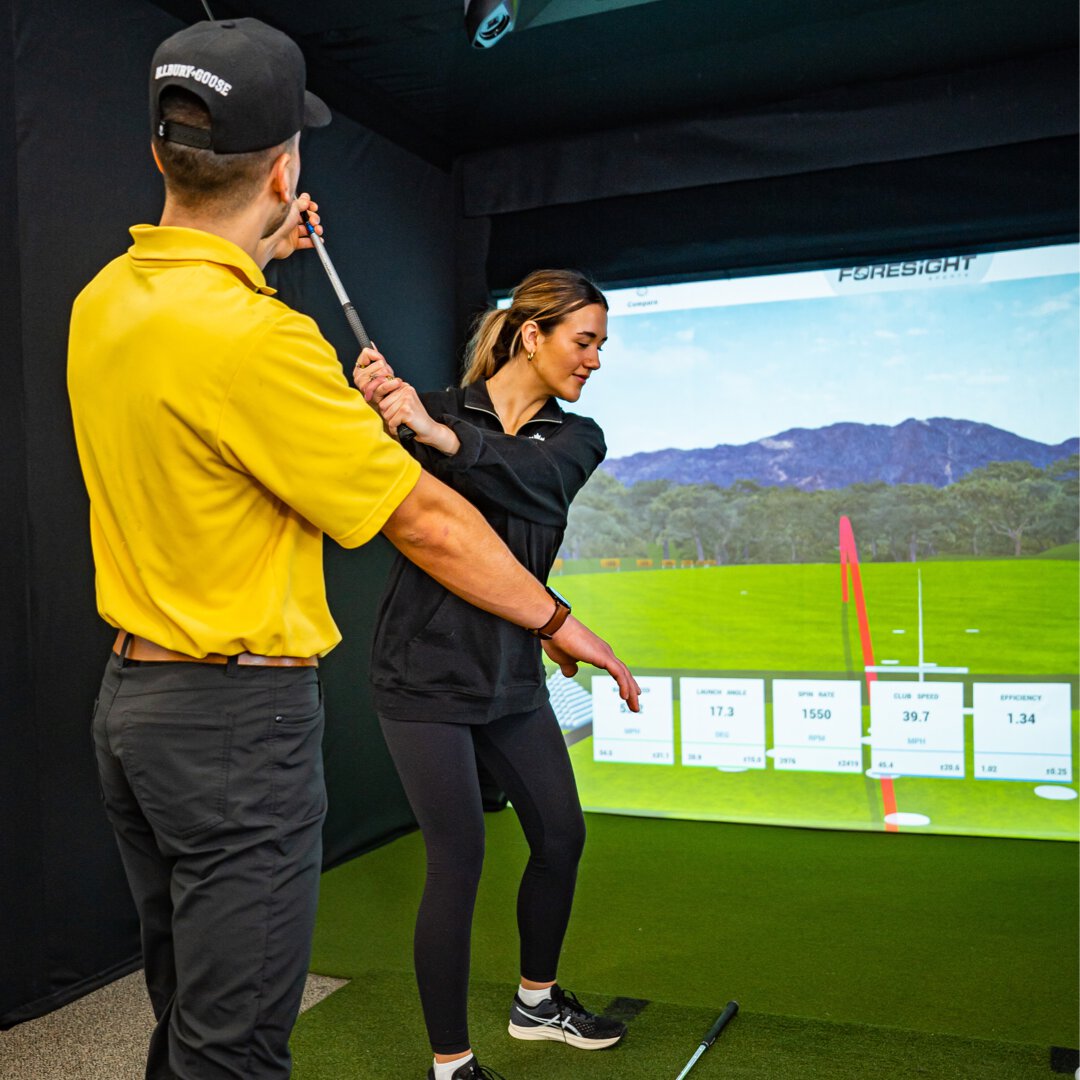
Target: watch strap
column 558, row 617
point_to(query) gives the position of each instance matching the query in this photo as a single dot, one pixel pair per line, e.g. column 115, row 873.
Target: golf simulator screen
column 835, row 538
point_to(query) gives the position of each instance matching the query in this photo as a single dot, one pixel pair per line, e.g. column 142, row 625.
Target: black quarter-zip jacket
column 436, row 657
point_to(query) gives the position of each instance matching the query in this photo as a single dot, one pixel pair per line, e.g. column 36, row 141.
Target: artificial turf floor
column 853, row 955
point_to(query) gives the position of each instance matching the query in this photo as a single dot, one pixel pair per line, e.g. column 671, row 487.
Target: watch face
column 559, row 596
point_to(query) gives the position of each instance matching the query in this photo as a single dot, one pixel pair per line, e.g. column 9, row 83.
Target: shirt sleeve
column 535, row 479
column 292, row 422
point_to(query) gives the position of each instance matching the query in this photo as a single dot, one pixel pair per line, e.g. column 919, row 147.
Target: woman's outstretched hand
column 575, row 643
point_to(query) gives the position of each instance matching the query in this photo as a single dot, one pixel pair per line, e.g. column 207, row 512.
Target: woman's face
column 567, row 357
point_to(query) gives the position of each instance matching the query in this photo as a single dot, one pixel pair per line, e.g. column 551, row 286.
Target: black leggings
column 526, row 754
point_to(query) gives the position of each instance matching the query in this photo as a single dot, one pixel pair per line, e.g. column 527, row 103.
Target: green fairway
column 790, row 618
column 1002, row 620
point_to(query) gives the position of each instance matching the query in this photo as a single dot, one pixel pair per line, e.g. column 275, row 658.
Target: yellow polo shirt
column 219, row 440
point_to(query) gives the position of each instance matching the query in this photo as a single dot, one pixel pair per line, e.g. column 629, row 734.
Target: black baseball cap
column 249, row 75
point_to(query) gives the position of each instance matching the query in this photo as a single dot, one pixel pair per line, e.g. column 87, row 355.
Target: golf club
column 730, row 1009
column 404, row 432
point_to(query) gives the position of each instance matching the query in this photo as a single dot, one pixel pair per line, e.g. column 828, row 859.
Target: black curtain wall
column 968, row 160
column 76, row 171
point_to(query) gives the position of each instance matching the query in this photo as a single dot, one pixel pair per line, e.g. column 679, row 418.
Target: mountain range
column 937, row 451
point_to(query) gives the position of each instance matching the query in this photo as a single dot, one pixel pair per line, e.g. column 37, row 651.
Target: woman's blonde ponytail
column 482, row 359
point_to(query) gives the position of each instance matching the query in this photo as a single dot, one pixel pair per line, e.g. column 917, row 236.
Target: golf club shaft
column 730, row 1009
column 692, row 1062
column 404, row 432
column 343, row 297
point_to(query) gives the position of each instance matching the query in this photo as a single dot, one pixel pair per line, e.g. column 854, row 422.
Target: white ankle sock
column 531, row 998
column 444, row 1070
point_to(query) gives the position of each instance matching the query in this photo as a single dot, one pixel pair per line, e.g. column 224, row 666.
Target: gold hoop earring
column 529, row 356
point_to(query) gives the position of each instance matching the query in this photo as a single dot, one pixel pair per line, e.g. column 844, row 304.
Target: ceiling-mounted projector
column 489, row 21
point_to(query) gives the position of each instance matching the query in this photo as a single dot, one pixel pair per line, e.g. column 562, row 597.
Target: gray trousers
column 212, row 779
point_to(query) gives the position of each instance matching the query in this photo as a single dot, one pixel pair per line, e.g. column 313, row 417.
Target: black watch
column 558, row 617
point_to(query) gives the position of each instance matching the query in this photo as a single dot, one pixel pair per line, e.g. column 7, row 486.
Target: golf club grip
column 404, row 432
column 730, row 1009
column 357, row 326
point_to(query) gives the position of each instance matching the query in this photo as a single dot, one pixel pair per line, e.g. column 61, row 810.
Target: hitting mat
column 373, row 1030
column 851, row 955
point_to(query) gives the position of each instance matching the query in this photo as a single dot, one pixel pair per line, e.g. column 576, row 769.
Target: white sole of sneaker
column 539, row 1034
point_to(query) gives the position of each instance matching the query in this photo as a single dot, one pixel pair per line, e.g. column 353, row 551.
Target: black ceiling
column 404, row 68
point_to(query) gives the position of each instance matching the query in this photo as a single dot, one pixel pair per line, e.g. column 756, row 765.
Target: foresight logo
column 954, row 264
column 912, row 273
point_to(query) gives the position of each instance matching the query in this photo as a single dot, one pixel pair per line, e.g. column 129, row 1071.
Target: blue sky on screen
column 1000, row 352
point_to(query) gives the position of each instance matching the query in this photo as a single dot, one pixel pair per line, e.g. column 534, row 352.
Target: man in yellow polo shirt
column 219, row 441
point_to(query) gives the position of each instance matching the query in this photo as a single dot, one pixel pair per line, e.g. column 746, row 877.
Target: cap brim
column 316, row 112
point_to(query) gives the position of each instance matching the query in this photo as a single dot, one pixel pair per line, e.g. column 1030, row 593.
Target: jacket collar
column 172, row 243
column 477, row 397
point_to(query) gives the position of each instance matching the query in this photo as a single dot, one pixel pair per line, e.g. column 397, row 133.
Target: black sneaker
column 564, row 1019
column 471, row 1070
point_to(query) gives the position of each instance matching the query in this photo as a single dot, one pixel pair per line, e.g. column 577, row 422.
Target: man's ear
column 157, row 160
column 279, row 177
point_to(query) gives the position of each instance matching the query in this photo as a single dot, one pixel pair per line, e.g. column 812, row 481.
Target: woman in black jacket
column 453, row 683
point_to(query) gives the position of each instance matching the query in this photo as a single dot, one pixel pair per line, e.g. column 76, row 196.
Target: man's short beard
column 273, row 226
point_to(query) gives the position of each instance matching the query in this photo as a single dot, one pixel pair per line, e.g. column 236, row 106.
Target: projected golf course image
column 835, row 537
column 788, row 622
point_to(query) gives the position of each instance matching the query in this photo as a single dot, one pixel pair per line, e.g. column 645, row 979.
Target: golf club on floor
column 730, row 1009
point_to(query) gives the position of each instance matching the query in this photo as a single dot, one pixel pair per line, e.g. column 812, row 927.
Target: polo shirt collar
column 172, row 243
column 477, row 397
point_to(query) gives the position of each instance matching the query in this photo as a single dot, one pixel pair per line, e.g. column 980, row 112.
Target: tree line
column 1007, row 508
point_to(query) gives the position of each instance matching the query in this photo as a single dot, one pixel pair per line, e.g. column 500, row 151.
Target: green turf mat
column 968, row 936
column 372, row 1030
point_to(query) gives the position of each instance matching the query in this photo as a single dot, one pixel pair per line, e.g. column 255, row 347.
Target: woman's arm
column 533, row 478
column 448, row 539
column 536, row 479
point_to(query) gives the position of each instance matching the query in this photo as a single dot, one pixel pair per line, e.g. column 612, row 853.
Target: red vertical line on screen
column 849, row 566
